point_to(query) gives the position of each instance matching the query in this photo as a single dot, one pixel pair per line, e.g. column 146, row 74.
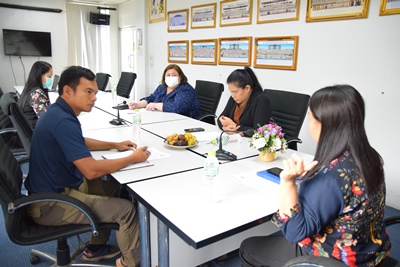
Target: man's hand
column 141, row 154
column 125, row 145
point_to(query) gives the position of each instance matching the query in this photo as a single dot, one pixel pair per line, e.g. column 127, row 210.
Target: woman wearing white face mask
column 35, row 97
column 174, row 94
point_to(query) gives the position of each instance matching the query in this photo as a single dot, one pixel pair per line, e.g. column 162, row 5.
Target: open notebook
column 125, row 154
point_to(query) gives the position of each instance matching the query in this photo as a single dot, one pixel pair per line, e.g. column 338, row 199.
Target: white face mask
column 172, row 81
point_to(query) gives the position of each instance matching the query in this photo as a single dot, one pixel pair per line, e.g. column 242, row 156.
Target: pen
column 147, row 151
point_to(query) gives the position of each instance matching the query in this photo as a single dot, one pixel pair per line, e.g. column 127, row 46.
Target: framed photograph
column 178, row 20
column 178, row 51
column 276, row 52
column 157, row 10
column 273, row 11
column 204, row 52
column 203, row 16
column 235, row 51
column 235, row 12
column 389, row 7
column 318, row 10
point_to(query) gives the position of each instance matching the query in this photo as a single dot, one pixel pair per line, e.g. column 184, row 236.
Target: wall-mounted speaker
column 99, row 19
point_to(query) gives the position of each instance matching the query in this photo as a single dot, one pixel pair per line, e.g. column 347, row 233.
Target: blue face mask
column 48, row 83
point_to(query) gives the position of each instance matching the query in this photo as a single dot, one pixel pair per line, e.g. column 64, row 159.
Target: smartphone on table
column 192, row 130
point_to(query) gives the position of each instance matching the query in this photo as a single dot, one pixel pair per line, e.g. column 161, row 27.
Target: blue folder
column 269, row 176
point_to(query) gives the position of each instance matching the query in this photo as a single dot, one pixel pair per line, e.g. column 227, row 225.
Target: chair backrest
column 209, row 95
column 125, row 84
column 10, row 189
column 102, row 80
column 288, row 111
column 21, row 124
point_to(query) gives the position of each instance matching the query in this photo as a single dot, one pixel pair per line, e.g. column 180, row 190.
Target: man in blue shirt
column 61, row 162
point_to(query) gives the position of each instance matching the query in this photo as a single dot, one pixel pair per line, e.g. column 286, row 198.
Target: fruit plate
column 179, row 147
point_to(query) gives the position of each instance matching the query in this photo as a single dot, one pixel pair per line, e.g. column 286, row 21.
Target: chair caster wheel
column 34, row 259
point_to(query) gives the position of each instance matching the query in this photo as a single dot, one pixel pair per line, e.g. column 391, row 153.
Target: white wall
column 20, row 19
column 361, row 52
column 133, row 13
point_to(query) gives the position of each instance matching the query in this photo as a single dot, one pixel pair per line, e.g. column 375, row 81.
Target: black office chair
column 209, row 95
column 12, row 110
column 22, row 230
column 125, row 84
column 10, row 135
column 288, row 111
column 102, row 80
column 313, row 261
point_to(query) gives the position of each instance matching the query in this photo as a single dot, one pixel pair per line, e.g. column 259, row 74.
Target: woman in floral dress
column 35, row 97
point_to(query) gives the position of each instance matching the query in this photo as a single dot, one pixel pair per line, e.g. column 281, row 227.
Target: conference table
column 171, row 192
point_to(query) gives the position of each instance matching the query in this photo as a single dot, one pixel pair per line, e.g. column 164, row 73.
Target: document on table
column 155, row 154
column 252, row 179
column 206, row 136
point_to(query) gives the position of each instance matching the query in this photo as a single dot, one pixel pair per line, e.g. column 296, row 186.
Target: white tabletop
column 179, row 160
column 241, row 148
column 245, row 199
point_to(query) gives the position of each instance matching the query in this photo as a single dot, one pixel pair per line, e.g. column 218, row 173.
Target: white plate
column 179, row 147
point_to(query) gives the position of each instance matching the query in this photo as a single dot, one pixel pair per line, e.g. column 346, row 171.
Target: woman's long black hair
column 341, row 111
column 34, row 81
column 243, row 77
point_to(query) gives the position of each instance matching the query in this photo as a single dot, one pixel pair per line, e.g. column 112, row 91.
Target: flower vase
column 267, row 156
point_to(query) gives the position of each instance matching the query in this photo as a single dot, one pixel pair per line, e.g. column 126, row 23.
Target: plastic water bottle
column 136, row 122
column 211, row 173
column 114, row 95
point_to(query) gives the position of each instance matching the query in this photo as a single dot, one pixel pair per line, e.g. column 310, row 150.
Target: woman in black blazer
column 248, row 106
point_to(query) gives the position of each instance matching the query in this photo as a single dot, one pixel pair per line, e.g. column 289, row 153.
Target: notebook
column 125, row 154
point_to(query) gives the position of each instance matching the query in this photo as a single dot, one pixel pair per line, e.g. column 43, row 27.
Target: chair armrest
column 57, row 197
column 316, row 261
column 22, row 160
column 8, row 130
column 392, row 220
column 205, row 116
column 290, row 140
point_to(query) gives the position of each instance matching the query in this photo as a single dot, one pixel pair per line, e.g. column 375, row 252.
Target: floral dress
column 336, row 218
column 39, row 100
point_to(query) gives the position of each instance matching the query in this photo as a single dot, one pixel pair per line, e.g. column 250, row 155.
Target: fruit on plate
column 186, row 139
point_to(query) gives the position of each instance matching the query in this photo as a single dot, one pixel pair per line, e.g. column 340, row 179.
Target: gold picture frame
column 389, row 7
column 204, row 52
column 235, row 51
column 268, row 11
column 318, row 10
column 157, row 10
column 278, row 52
column 203, row 16
column 178, row 20
column 178, row 51
column 235, row 12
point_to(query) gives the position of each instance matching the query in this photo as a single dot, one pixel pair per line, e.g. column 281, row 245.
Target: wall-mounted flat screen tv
column 27, row 43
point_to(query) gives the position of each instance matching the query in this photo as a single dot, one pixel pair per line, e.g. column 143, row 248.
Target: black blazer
column 257, row 111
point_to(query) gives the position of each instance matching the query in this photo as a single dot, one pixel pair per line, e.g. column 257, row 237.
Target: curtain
column 88, row 44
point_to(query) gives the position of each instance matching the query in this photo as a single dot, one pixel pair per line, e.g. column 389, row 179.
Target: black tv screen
column 27, row 43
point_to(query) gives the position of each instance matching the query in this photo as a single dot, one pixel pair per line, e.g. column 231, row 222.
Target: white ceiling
column 98, row 2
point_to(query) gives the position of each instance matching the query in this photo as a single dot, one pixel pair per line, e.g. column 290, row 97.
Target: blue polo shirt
column 57, row 141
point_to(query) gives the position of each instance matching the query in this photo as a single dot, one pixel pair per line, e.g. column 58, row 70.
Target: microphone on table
column 226, row 155
column 118, row 120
